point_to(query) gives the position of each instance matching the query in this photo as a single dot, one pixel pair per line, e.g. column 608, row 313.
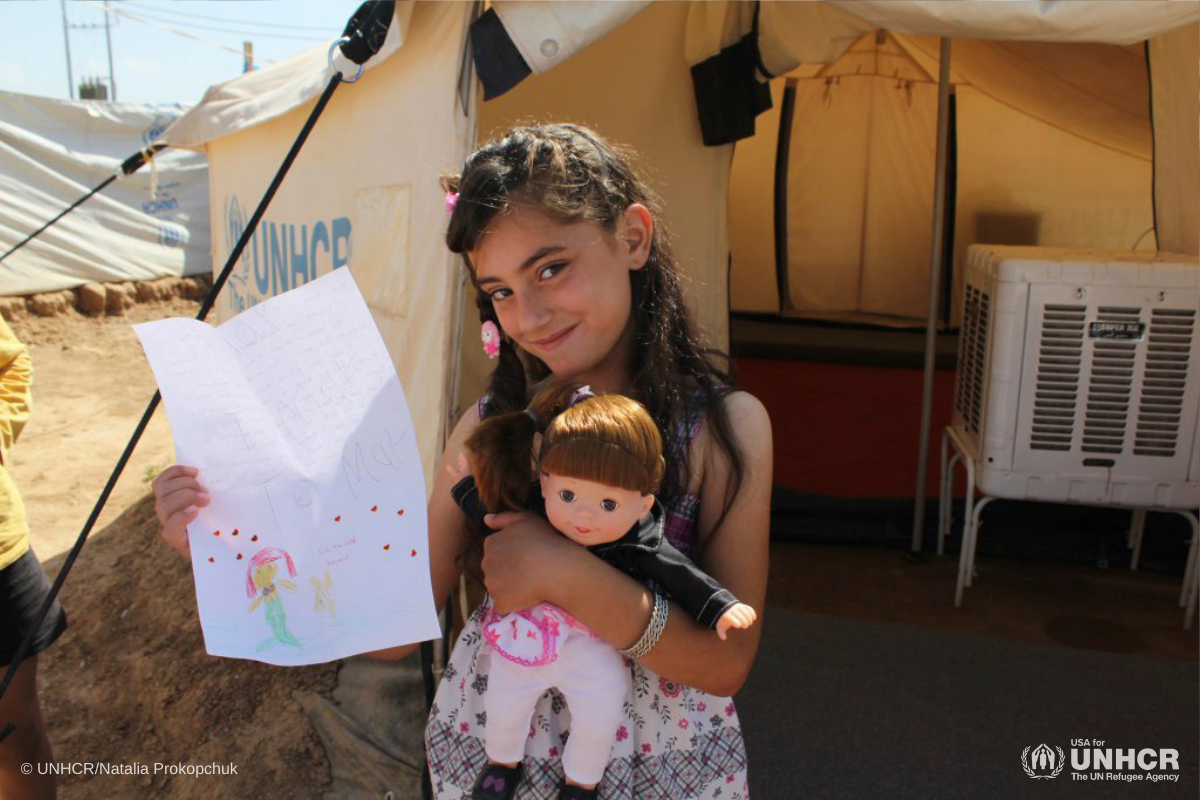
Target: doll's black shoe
column 496, row 782
column 569, row 792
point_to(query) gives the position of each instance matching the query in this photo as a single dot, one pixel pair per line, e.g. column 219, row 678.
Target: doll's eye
column 567, row 496
column 609, row 505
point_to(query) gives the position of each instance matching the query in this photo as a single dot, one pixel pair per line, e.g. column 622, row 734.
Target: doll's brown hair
column 608, row 439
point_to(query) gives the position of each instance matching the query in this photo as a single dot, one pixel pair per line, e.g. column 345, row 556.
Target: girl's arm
column 529, row 562
column 447, row 527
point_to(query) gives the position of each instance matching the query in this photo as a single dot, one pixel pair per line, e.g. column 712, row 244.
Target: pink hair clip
column 451, row 201
column 490, row 334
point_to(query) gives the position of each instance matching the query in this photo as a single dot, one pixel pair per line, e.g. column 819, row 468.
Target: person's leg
column 595, row 682
column 28, row 742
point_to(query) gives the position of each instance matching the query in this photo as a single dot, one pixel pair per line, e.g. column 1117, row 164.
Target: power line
column 233, row 32
column 170, row 29
column 143, row 8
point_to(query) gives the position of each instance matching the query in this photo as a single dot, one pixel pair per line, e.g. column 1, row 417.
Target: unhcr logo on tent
column 159, row 124
column 281, row 255
column 1042, row 762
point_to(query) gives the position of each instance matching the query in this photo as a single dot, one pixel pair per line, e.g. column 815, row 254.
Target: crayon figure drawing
column 261, row 584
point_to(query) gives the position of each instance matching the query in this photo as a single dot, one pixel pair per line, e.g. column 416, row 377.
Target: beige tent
column 365, row 189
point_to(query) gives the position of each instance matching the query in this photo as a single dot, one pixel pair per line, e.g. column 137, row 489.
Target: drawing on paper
column 261, row 584
column 322, row 597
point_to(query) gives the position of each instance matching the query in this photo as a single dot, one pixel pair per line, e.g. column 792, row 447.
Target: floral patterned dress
column 676, row 742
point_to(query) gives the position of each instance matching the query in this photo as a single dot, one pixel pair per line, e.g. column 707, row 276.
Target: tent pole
column 935, row 280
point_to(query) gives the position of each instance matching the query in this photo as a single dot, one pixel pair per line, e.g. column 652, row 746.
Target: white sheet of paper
column 315, row 544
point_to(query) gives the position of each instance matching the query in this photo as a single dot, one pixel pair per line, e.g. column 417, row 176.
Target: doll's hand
column 739, row 616
column 461, row 469
column 520, row 560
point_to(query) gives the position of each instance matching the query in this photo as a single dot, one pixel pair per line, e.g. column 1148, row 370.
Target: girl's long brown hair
column 571, row 173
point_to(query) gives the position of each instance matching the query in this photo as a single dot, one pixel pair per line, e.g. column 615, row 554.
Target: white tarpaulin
column 151, row 224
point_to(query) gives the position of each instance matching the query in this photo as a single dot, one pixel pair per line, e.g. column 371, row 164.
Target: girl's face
column 591, row 513
column 562, row 291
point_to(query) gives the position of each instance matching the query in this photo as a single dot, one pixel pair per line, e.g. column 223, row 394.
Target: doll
column 598, row 465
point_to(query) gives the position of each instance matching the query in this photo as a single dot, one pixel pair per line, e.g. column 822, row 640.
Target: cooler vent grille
column 968, row 397
column 1060, row 355
column 1169, row 342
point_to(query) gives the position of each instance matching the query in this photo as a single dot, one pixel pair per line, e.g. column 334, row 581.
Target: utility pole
column 112, row 84
column 92, row 82
column 67, row 42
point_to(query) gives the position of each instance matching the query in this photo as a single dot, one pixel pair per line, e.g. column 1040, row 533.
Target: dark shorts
column 23, row 589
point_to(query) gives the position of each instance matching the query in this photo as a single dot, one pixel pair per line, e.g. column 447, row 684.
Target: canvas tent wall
column 1052, row 147
column 624, row 68
column 148, row 225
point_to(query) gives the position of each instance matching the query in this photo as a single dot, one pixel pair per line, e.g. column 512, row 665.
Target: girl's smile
column 553, row 341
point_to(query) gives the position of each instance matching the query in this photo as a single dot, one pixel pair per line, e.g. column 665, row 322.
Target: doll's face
column 591, row 513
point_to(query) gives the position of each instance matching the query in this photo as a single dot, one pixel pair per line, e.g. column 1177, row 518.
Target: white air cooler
column 1078, row 376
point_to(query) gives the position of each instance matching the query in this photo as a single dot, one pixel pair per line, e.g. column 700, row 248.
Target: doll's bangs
column 600, row 462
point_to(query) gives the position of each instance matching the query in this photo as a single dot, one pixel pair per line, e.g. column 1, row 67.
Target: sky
column 150, row 63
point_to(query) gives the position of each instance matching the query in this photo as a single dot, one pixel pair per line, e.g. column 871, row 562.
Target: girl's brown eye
column 609, row 505
column 550, row 270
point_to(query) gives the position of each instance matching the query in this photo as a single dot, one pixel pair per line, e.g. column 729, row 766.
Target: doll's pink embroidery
column 530, row 637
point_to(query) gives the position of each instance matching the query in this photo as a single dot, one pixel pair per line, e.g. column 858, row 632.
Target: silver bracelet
column 653, row 632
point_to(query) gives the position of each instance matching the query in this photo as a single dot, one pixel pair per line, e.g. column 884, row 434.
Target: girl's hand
column 519, row 560
column 739, row 616
column 460, row 469
column 178, row 498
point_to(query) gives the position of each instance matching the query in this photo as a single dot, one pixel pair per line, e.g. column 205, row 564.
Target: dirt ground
column 91, row 385
column 129, row 683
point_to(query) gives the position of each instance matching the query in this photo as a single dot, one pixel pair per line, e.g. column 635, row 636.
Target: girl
column 599, row 464
column 559, row 237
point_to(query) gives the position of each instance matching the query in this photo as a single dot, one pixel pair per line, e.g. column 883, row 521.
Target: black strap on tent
column 366, row 16
column 128, row 167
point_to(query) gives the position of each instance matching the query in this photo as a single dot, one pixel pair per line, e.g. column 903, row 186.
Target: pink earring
column 489, row 332
column 451, row 201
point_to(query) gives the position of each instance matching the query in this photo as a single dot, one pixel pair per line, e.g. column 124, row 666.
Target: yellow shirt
column 16, row 399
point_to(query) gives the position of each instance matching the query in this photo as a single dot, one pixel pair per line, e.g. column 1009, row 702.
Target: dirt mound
column 130, row 683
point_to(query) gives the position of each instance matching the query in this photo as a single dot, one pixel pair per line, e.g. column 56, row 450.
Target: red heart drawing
column 338, row 518
column 254, row 538
column 400, row 513
column 210, row 559
column 414, row 552
column 374, row 509
column 235, row 531
column 216, row 533
column 387, row 547
column 239, row 558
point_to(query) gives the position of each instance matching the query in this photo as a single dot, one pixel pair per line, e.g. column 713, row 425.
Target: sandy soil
column 129, row 682
column 91, row 386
